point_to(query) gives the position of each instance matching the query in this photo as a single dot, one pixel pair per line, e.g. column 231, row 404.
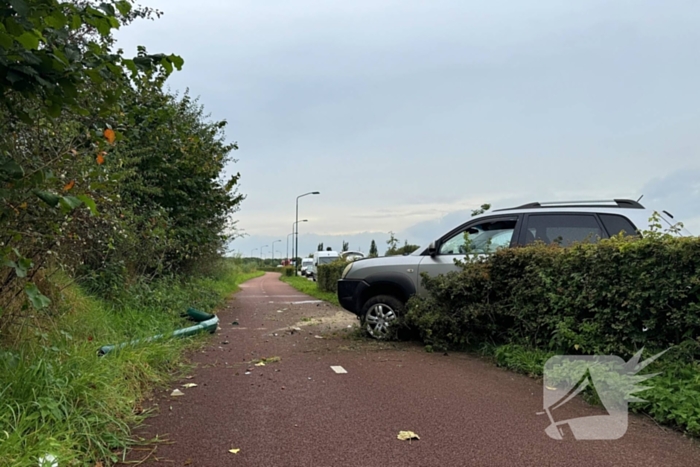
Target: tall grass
column 57, row 397
column 308, row 287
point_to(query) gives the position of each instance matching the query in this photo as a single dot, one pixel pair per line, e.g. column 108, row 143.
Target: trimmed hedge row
column 329, row 274
column 612, row 297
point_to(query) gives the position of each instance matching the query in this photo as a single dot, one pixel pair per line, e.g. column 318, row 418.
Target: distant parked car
column 320, row 257
column 305, row 263
column 351, row 255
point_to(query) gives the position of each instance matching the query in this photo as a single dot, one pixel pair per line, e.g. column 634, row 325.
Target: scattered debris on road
column 339, row 369
column 176, row 393
column 407, row 436
column 234, row 451
column 189, row 385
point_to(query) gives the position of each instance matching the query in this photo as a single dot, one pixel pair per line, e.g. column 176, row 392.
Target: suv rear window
column 563, row 229
column 615, row 224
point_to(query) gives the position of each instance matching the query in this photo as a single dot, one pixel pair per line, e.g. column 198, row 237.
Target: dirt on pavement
column 295, row 410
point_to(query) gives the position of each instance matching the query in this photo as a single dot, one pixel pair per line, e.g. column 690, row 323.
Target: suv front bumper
column 349, row 293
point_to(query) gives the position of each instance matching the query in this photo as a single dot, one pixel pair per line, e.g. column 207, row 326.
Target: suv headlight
column 346, row 271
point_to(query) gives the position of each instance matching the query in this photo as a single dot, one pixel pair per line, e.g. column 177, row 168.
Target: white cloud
column 406, row 114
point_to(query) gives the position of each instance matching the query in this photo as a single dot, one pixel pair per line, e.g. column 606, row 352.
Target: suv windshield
column 326, row 259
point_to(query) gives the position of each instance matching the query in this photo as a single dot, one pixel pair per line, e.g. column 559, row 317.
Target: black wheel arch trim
column 397, row 279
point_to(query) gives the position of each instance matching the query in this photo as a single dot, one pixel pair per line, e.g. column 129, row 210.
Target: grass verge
column 57, row 397
column 302, row 284
column 672, row 397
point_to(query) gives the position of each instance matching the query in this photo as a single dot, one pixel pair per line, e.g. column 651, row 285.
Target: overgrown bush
column 329, row 274
column 612, row 297
column 289, row 271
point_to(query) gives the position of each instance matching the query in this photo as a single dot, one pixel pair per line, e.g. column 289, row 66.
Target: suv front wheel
column 380, row 314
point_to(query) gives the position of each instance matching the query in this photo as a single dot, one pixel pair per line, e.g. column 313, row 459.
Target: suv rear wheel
column 379, row 316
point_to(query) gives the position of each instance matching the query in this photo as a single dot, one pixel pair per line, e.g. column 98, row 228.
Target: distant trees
column 320, row 247
column 392, row 242
column 373, row 252
column 345, row 246
column 329, row 249
column 395, row 250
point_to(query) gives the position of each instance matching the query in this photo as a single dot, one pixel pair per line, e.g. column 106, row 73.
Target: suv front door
column 479, row 237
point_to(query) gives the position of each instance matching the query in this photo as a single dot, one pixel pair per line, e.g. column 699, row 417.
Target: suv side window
column 615, row 224
column 563, row 229
column 481, row 238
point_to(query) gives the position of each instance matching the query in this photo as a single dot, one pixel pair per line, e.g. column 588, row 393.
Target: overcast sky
column 405, row 114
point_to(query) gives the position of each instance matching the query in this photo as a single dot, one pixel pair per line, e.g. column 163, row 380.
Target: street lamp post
column 288, row 242
column 251, row 252
column 261, row 252
column 295, row 228
column 297, row 220
column 273, row 248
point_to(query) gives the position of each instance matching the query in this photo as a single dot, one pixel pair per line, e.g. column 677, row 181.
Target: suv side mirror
column 432, row 249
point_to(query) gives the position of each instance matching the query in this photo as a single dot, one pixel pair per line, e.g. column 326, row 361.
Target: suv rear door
column 561, row 228
column 483, row 236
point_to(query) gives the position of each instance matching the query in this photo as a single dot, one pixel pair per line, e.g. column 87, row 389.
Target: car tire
column 380, row 315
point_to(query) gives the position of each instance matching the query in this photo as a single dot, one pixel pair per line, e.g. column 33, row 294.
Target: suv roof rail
column 613, row 203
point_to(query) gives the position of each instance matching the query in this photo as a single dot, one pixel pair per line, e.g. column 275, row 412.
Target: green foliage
column 373, row 251
column 345, row 246
column 311, row 288
column 289, row 271
column 392, row 242
column 320, row 246
column 612, row 297
column 394, row 249
column 673, row 397
column 481, row 210
column 103, row 175
column 329, row 274
column 59, row 398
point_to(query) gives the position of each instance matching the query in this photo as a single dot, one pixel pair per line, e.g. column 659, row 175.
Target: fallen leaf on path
column 189, row 385
column 551, row 388
column 260, row 364
column 318, row 337
column 177, row 392
column 407, row 435
column 234, row 451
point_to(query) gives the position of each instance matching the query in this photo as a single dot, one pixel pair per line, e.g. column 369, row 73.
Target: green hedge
column 612, row 297
column 289, row 271
column 329, row 274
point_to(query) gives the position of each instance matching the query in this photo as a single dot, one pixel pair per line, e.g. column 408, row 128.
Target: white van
column 321, row 257
column 305, row 263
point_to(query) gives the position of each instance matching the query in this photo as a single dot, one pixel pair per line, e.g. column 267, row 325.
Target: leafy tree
column 373, row 252
column 320, row 246
column 392, row 242
column 482, row 209
column 102, row 173
column 406, row 249
column 329, row 249
column 345, row 246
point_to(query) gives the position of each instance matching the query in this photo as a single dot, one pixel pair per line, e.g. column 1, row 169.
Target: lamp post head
column 315, row 192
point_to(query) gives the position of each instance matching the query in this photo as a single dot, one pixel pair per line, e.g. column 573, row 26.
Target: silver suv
column 376, row 289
